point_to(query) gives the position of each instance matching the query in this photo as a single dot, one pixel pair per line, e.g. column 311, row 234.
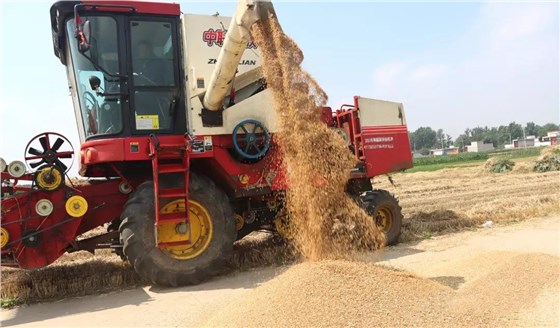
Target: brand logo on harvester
column 216, row 37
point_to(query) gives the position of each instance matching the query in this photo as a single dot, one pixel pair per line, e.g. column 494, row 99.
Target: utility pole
column 524, row 139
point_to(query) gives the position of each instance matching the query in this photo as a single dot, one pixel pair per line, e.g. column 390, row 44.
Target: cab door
column 157, row 103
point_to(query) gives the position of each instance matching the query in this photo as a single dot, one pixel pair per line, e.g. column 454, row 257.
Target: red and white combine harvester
column 177, row 131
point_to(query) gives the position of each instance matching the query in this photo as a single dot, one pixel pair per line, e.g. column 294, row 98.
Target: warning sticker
column 207, row 143
column 197, row 146
column 147, row 122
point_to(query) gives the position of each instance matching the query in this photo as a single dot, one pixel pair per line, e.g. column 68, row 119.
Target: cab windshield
column 99, row 114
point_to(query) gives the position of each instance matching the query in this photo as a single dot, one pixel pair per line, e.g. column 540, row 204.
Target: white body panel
column 259, row 107
column 202, row 40
column 236, row 41
column 202, row 37
column 380, row 112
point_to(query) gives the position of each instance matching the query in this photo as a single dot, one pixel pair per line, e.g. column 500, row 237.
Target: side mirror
column 83, row 34
column 94, row 83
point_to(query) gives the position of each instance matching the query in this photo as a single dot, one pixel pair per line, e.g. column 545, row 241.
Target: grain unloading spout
column 235, row 42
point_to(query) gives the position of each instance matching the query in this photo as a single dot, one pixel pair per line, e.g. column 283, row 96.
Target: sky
column 453, row 65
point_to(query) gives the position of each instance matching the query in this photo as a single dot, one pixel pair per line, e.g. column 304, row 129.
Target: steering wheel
column 251, row 139
column 44, row 149
column 92, row 113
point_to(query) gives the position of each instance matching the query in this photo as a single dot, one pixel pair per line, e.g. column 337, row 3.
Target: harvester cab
column 177, row 130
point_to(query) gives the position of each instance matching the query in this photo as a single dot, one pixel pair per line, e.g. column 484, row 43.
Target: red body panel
column 383, row 149
column 216, row 161
column 142, row 7
column 386, row 149
column 57, row 230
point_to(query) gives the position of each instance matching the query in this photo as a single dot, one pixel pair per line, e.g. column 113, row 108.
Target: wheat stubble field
column 452, row 199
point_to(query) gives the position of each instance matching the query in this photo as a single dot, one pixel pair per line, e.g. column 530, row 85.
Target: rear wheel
column 211, row 231
column 386, row 211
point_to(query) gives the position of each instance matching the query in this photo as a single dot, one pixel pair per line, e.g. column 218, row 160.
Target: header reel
column 49, row 160
column 54, row 159
column 59, row 153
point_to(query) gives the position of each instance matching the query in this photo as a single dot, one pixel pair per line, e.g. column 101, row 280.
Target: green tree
column 477, row 134
column 462, row 141
column 440, row 136
column 532, row 129
column 547, row 128
column 515, row 130
column 423, row 137
column 448, row 140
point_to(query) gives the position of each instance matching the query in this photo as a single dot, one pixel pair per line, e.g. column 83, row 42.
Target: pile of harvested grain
column 549, row 160
column 325, row 222
column 343, row 293
column 338, row 293
column 510, row 287
column 498, row 165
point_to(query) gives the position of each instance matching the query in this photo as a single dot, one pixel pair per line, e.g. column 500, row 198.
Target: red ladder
column 351, row 116
column 357, row 134
column 177, row 160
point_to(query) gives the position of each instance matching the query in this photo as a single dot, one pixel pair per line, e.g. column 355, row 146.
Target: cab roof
column 61, row 10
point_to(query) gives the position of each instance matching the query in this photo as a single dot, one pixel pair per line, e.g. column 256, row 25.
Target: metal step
column 171, row 168
column 172, row 193
column 179, row 146
column 172, row 217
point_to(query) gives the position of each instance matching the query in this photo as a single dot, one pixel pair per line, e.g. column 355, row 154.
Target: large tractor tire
column 211, row 226
column 386, row 211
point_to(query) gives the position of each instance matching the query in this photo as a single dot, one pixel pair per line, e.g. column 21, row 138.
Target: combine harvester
column 177, row 132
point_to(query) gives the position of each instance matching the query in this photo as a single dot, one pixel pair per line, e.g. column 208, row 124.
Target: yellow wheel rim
column 239, row 222
column 282, row 226
column 384, row 219
column 76, row 206
column 49, row 178
column 198, row 231
column 4, row 237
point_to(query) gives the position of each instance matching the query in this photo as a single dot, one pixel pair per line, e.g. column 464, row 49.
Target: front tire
column 386, row 211
column 168, row 267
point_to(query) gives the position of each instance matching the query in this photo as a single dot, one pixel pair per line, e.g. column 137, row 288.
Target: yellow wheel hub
column 384, row 219
column 76, row 206
column 49, row 178
column 4, row 237
column 198, row 231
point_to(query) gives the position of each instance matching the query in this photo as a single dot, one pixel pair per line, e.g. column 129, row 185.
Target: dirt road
column 454, row 260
